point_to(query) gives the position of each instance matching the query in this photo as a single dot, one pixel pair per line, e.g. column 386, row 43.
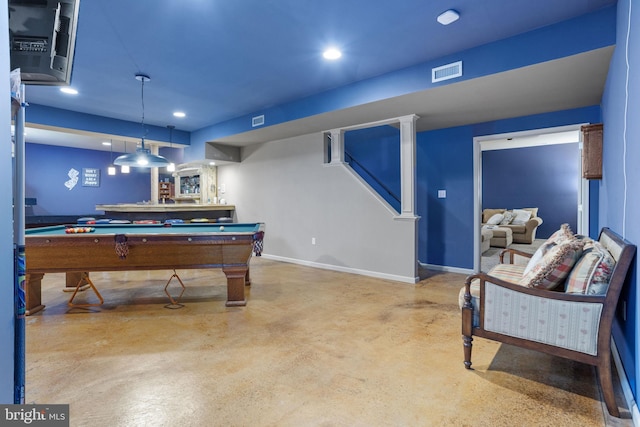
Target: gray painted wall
column 286, row 185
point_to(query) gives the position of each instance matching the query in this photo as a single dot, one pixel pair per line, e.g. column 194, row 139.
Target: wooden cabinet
column 165, row 191
column 592, row 151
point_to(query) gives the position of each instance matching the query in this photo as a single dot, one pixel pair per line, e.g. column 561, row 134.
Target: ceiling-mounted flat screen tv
column 42, row 37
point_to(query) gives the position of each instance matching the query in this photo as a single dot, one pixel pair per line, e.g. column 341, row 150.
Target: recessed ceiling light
column 179, row 114
column 107, row 143
column 332, row 54
column 212, row 163
column 69, row 90
column 448, row 16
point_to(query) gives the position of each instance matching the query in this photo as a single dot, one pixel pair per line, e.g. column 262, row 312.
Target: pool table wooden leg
column 33, row 293
column 247, row 279
column 236, row 278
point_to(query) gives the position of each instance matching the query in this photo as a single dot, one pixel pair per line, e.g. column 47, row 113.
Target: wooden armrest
column 511, row 253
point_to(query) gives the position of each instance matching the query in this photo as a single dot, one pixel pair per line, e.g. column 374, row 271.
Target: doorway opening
column 528, row 139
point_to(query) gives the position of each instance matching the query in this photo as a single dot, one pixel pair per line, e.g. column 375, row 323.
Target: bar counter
column 164, row 211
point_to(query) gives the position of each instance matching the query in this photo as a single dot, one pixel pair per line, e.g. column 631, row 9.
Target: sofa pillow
column 534, row 211
column 488, row 213
column 554, row 267
column 592, row 273
column 495, row 219
column 507, row 218
column 521, row 216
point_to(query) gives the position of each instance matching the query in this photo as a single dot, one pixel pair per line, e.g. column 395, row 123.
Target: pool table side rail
column 145, row 252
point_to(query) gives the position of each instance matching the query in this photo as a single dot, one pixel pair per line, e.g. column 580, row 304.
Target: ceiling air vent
column 257, row 121
column 446, row 72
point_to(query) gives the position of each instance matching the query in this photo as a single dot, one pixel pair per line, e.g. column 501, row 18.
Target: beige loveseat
column 521, row 232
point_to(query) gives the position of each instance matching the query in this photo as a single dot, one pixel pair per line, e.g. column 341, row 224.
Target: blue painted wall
column 445, row 231
column 374, row 153
column 47, row 171
column 445, row 162
column 546, row 177
column 619, row 197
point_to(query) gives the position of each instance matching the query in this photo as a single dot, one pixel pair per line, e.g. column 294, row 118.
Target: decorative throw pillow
column 554, row 267
column 495, row 219
column 507, row 218
column 538, row 255
column 592, row 273
column 521, row 216
column 564, row 233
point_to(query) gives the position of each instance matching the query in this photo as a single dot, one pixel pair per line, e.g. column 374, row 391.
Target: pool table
column 124, row 247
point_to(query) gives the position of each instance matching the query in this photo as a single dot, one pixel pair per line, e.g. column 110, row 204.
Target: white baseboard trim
column 394, row 277
column 447, row 269
column 626, row 388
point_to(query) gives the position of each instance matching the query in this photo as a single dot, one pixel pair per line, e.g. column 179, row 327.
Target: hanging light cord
column 142, row 97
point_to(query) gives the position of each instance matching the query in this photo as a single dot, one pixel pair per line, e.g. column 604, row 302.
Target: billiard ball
column 222, row 228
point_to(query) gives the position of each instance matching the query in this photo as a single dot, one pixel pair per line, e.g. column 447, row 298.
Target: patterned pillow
column 592, row 272
column 521, row 216
column 538, row 255
column 564, row 233
column 507, row 218
column 554, row 267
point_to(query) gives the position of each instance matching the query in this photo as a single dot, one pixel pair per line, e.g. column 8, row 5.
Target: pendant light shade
column 142, row 158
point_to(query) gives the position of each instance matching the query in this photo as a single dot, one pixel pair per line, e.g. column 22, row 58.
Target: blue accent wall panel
column 546, row 177
column 374, row 153
column 47, row 170
column 619, row 199
column 445, row 162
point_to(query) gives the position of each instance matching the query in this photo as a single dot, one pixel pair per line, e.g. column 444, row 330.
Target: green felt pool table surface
column 227, row 228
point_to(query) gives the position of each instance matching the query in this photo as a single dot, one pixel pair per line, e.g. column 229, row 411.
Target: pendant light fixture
column 142, row 158
column 111, row 170
column 125, row 168
column 171, row 167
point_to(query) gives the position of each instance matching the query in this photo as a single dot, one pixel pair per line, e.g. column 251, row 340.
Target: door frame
column 529, row 138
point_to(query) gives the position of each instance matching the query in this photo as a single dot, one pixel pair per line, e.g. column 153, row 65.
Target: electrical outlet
column 313, row 240
column 442, row 194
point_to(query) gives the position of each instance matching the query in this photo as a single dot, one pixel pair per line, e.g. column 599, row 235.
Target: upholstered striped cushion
column 508, row 272
column 566, row 324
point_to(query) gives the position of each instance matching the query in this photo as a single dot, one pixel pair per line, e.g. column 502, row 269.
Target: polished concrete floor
column 311, row 348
